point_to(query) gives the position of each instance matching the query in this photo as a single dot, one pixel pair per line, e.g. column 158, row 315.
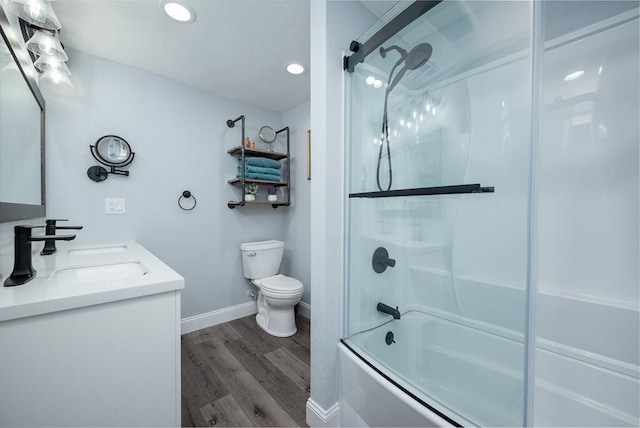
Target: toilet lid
column 280, row 284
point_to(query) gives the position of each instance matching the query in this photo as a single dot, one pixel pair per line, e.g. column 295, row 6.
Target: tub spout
column 395, row 313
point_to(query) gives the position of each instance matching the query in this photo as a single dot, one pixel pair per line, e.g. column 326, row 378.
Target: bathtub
column 440, row 372
column 455, row 365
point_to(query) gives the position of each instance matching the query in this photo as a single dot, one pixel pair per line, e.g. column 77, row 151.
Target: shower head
column 418, row 56
column 414, row 59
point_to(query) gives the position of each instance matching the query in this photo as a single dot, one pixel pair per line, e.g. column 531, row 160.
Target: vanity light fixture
column 46, row 62
column 35, row 12
column 40, row 27
column 46, row 43
column 178, row 11
column 57, row 73
column 295, row 68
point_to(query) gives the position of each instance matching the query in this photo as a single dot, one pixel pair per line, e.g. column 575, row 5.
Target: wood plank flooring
column 235, row 374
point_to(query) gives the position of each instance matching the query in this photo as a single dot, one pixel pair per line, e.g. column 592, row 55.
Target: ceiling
column 235, row 48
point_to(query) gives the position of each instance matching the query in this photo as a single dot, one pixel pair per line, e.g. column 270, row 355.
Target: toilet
column 278, row 294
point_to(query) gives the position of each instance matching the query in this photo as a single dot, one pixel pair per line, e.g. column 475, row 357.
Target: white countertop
column 47, row 293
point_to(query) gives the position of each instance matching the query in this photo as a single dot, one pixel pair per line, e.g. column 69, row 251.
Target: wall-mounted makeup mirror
column 22, row 187
column 111, row 151
column 267, row 135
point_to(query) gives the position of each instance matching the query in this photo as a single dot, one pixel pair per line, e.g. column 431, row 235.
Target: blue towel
column 259, row 170
column 262, row 162
column 255, row 176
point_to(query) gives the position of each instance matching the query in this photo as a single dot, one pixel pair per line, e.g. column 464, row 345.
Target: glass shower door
column 438, row 162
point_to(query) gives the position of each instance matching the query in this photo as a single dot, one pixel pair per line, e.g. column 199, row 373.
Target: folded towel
column 262, row 162
column 259, row 170
column 269, row 177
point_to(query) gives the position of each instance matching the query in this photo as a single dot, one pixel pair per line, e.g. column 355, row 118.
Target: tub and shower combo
column 492, row 216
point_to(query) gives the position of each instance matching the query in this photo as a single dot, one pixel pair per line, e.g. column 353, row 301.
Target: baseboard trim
column 304, row 309
column 319, row 417
column 198, row 322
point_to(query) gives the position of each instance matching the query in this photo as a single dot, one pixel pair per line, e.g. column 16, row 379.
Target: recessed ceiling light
column 295, row 68
column 178, row 11
column 573, row 76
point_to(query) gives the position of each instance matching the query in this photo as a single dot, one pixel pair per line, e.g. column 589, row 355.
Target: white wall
column 180, row 139
column 333, row 25
column 298, row 227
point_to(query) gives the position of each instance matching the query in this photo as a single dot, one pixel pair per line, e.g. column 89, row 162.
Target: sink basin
column 101, row 272
column 98, row 250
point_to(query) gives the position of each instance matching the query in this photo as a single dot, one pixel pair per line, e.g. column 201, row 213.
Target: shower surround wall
column 461, row 274
column 179, row 135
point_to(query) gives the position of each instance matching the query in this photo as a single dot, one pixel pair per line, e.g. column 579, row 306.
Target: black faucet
column 395, row 313
column 50, row 244
column 23, row 270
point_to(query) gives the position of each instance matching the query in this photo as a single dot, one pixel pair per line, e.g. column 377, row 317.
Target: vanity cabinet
column 91, row 353
column 115, row 364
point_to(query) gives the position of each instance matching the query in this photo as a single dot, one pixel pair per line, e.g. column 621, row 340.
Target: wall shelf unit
column 241, row 153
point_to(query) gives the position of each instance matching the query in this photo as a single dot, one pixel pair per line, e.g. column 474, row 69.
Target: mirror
column 111, row 151
column 267, row 135
column 22, row 190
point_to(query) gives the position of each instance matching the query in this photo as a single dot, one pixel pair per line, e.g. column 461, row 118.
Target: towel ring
column 187, row 195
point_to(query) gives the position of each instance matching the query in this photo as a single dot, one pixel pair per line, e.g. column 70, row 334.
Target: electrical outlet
column 114, row 206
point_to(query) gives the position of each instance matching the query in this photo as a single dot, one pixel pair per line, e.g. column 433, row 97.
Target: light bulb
column 178, row 11
column 295, row 68
column 573, row 76
column 370, row 80
column 35, row 10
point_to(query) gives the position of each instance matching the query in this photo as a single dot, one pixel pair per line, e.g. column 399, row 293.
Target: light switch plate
column 114, row 206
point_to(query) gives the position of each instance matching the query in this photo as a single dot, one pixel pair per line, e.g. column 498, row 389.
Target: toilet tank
column 261, row 259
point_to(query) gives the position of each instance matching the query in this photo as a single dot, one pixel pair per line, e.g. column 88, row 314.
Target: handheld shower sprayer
column 414, row 59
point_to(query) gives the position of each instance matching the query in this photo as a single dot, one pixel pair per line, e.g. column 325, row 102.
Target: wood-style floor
column 235, row 374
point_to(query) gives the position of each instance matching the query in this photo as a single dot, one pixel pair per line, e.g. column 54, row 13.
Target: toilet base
column 276, row 316
column 262, row 323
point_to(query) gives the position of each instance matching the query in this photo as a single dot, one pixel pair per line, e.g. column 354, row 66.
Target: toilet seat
column 279, row 285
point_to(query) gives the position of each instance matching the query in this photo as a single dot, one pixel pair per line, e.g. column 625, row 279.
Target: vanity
column 92, row 340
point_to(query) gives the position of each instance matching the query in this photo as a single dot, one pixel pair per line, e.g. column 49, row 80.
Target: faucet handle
column 52, row 226
column 53, row 220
